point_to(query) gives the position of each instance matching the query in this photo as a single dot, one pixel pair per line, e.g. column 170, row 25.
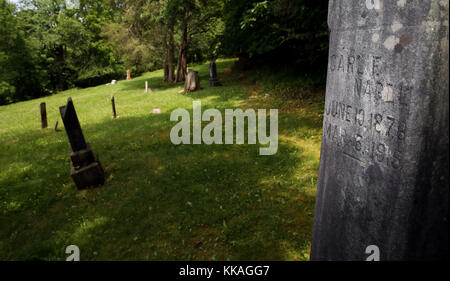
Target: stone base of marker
column 214, row 82
column 85, row 168
column 147, row 89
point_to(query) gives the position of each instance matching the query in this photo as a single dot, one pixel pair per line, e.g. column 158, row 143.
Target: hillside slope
column 160, row 201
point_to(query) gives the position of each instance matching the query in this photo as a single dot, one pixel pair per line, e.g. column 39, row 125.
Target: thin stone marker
column 43, row 112
column 147, row 89
column 113, row 103
column 128, row 75
column 213, row 80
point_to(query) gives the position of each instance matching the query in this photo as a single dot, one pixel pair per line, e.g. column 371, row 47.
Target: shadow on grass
column 160, row 201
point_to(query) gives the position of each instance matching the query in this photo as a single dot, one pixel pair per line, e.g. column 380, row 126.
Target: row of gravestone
column 213, row 79
column 43, row 114
column 85, row 168
column 213, row 82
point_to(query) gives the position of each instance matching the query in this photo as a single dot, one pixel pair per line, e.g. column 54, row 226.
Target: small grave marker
column 128, row 75
column 213, row 80
column 147, row 89
column 56, row 126
column 113, row 103
column 43, row 112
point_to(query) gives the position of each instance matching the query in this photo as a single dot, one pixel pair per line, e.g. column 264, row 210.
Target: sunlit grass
column 160, row 201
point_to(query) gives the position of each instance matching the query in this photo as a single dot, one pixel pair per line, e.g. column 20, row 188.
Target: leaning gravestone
column 383, row 176
column 213, row 80
column 113, row 104
column 85, row 168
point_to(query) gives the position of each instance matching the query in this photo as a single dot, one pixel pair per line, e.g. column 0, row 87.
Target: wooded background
column 51, row 45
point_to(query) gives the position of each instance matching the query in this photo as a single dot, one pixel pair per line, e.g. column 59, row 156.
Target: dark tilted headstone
column 383, row 176
column 113, row 103
column 43, row 111
column 213, row 80
column 85, row 168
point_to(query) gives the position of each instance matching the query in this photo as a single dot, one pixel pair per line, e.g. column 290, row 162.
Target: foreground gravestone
column 43, row 111
column 85, row 168
column 213, row 80
column 383, row 176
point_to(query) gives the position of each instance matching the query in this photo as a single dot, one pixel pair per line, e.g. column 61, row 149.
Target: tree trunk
column 61, row 78
column 165, row 52
column 171, row 55
column 192, row 82
column 182, row 60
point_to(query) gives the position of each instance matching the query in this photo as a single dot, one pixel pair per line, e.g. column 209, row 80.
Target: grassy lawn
column 160, row 201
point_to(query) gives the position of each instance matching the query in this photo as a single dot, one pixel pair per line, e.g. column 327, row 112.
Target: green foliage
column 18, row 74
column 96, row 76
column 49, row 45
column 285, row 31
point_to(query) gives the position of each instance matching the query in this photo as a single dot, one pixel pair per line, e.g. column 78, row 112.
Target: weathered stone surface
column 192, row 82
column 72, row 126
column 89, row 175
column 383, row 176
column 85, row 168
column 213, row 80
column 82, row 157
